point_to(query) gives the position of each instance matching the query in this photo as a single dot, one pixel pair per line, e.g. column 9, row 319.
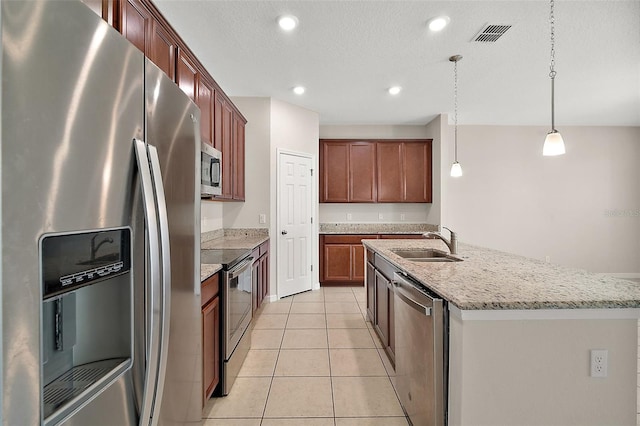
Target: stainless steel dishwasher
column 421, row 324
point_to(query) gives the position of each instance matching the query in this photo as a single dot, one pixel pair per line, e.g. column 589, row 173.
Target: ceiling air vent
column 490, row 33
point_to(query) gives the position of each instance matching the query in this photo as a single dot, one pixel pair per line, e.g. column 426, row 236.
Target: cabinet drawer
column 347, row 239
column 210, row 288
column 385, row 268
column 264, row 248
column 401, row 236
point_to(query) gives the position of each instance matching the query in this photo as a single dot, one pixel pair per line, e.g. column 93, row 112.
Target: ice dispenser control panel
column 72, row 261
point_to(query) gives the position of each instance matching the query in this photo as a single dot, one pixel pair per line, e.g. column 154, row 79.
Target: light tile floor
column 313, row 361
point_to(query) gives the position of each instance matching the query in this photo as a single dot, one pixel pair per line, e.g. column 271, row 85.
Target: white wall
column 433, row 131
column 537, row 372
column 293, row 129
column 512, row 198
column 370, row 213
column 211, row 214
column 257, row 111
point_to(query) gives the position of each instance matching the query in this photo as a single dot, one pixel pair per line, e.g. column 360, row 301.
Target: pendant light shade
column 553, row 143
column 456, row 168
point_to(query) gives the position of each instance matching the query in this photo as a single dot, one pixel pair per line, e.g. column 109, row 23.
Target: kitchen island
column 520, row 335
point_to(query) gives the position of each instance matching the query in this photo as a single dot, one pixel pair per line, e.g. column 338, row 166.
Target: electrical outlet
column 547, row 258
column 380, row 216
column 349, row 216
column 402, row 216
column 599, row 362
column 262, row 218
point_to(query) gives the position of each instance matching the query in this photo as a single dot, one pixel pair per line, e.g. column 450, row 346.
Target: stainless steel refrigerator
column 100, row 235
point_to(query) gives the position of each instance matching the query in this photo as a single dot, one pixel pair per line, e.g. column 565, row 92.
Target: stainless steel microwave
column 210, row 170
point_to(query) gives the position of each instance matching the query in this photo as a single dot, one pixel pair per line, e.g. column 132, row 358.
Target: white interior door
column 295, row 196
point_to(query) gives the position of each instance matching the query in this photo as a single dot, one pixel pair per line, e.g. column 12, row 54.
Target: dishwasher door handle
column 398, row 282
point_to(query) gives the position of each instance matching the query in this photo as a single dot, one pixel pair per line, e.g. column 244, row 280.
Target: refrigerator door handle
column 165, row 260
column 152, row 284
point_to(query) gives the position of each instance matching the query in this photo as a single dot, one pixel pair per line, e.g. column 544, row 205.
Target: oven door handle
column 238, row 270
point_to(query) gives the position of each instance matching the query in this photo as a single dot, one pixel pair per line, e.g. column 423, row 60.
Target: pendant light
column 456, row 169
column 553, row 143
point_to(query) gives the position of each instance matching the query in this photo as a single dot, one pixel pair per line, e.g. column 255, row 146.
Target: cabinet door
column 186, row 75
column 334, row 158
column 103, row 8
column 371, row 292
column 210, row 347
column 337, row 262
column 162, row 49
column 417, row 169
column 238, row 158
column 264, row 281
column 381, row 324
column 357, row 262
column 205, row 103
column 391, row 344
column 390, row 172
column 362, row 172
column 255, row 284
column 136, row 21
column 218, row 102
column 227, row 152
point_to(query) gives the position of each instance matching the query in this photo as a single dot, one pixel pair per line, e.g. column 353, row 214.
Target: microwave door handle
column 165, row 290
column 152, row 325
column 216, row 165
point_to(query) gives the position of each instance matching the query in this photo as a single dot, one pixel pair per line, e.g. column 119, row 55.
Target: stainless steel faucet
column 452, row 243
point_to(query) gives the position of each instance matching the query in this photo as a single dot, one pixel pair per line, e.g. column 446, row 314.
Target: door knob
column 284, row 232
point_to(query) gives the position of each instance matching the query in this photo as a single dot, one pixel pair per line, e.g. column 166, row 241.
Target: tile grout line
column 333, row 402
column 273, row 373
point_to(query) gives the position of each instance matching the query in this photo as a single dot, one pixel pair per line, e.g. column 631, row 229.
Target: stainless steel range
column 236, row 308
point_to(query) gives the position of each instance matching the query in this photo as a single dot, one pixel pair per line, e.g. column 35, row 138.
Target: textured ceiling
column 348, row 53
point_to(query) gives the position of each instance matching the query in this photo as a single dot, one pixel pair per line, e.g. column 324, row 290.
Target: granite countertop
column 207, row 270
column 229, row 239
column 376, row 228
column 494, row 280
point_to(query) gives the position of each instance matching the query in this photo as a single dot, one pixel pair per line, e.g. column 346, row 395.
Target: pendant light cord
column 455, row 109
column 552, row 65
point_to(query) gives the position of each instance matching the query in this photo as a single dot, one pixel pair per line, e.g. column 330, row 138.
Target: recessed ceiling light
column 438, row 23
column 298, row 90
column 394, row 90
column 287, row 22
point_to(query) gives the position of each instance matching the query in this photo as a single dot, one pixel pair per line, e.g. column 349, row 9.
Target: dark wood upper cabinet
column 205, row 103
column 383, row 171
column 218, row 102
column 362, row 172
column 238, row 157
column 186, row 75
column 162, row 49
column 135, row 23
column 348, row 172
column 417, row 172
column 221, row 123
column 404, row 171
column 390, row 171
column 227, row 152
column 334, row 166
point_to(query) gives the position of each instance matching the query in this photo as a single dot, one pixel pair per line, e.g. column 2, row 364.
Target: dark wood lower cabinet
column 260, row 275
column 381, row 301
column 342, row 257
column 211, row 361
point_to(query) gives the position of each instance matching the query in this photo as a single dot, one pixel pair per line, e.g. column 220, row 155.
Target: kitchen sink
column 427, row 255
